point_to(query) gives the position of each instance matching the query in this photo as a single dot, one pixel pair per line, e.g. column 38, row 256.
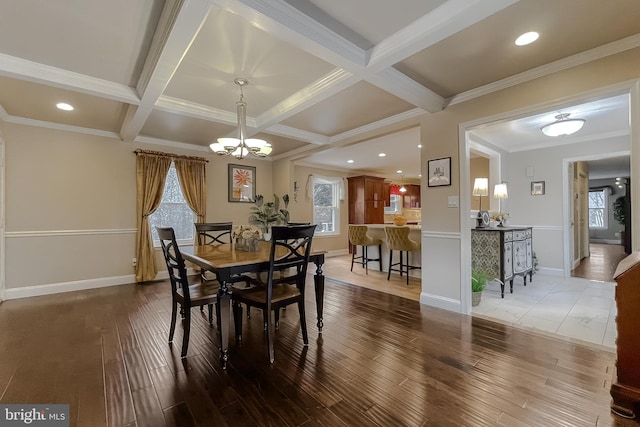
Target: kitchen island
column 377, row 231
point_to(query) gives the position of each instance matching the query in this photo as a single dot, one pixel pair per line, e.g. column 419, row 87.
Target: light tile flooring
column 573, row 308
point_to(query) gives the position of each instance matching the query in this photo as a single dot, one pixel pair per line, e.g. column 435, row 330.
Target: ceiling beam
column 179, row 24
column 22, row 69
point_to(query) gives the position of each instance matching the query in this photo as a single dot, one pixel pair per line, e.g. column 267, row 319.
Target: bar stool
column 398, row 240
column 358, row 237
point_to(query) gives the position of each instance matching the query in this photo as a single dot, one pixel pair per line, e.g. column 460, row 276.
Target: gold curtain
column 151, row 173
column 192, row 177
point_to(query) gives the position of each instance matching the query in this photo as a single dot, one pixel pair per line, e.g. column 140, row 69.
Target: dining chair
column 289, row 255
column 293, row 224
column 209, row 233
column 398, row 240
column 182, row 292
column 358, row 237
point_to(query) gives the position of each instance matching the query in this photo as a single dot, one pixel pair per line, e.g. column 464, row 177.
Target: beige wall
column 70, row 205
column 440, row 135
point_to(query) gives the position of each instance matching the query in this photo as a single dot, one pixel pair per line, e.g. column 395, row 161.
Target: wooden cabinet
column 503, row 253
column 366, row 200
column 411, row 199
column 625, row 391
column 386, row 193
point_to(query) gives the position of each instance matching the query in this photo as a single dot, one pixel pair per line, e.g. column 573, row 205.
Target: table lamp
column 481, row 188
column 500, row 192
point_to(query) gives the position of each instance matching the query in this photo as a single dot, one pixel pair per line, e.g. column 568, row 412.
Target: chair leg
column 380, row 256
column 401, row 264
column 237, row 320
column 408, row 268
column 303, row 323
column 353, row 255
column 390, row 264
column 276, row 313
column 210, row 314
column 270, row 334
column 365, row 259
column 174, row 313
column 186, row 332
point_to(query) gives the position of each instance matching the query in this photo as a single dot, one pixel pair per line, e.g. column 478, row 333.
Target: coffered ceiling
column 324, row 74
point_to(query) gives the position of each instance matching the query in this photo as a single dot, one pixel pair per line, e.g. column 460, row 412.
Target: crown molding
column 61, row 127
column 600, row 52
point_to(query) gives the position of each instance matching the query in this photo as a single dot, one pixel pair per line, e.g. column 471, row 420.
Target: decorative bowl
column 399, row 220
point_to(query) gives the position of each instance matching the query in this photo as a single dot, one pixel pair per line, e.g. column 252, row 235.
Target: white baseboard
column 606, row 241
column 440, row 302
column 558, row 272
column 338, row 252
column 79, row 285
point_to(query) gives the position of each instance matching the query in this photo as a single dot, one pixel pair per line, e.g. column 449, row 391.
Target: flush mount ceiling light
column 527, row 38
column 64, row 106
column 241, row 146
column 563, row 126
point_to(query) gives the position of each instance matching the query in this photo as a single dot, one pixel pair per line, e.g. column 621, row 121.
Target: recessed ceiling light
column 419, row 145
column 399, row 171
column 381, row 155
column 64, row 106
column 419, row 175
column 527, row 38
column 349, row 161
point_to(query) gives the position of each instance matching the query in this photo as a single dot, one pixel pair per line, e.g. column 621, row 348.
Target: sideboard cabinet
column 503, row 253
column 625, row 391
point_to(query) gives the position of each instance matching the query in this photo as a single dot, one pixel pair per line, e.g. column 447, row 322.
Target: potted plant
column 479, row 281
column 266, row 214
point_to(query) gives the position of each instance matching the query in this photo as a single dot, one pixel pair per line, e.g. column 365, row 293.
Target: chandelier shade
column 241, row 146
column 563, row 126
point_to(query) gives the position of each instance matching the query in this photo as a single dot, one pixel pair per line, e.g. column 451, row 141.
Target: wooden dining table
column 226, row 261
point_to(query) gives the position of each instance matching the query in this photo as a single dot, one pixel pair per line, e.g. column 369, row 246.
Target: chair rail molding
column 58, row 233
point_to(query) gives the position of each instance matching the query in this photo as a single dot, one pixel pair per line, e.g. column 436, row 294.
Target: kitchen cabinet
column 366, row 200
column 386, row 193
column 503, row 253
column 411, row 199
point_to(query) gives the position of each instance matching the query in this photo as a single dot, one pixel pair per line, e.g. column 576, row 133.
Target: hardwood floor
column 381, row 360
column 601, row 263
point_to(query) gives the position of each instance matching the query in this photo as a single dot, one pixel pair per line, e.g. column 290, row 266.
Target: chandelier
column 563, row 126
column 241, row 146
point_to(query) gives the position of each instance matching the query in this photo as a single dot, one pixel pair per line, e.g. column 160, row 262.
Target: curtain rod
column 173, row 156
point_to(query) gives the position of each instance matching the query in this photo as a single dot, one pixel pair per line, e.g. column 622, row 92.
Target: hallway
column 601, row 262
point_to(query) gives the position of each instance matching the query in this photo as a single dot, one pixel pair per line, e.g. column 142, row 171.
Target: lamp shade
column 563, row 126
column 481, row 187
column 500, row 191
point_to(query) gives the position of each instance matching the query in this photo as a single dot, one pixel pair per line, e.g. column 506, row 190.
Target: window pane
column 173, row 210
column 596, row 218
column 325, row 207
column 322, row 195
column 596, row 199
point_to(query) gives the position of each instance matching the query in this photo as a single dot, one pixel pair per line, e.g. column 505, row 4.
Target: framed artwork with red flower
column 242, row 183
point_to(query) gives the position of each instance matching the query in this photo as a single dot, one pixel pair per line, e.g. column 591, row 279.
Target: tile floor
column 573, row 308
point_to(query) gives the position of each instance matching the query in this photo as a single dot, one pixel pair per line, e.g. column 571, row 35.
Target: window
column 395, row 204
column 598, row 209
column 326, row 205
column 173, row 211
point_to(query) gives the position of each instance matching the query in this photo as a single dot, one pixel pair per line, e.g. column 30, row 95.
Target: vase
column 247, row 245
column 475, row 298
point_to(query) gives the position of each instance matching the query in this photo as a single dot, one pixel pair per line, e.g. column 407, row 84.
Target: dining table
column 227, row 261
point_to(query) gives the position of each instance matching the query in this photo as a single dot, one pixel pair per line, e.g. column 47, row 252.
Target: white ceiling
column 324, row 75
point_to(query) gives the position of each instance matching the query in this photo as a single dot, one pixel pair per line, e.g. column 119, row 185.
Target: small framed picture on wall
column 537, row 188
column 242, row 183
column 439, row 171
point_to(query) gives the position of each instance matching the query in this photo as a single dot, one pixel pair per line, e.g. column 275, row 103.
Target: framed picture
column 242, row 183
column 537, row 188
column 439, row 172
